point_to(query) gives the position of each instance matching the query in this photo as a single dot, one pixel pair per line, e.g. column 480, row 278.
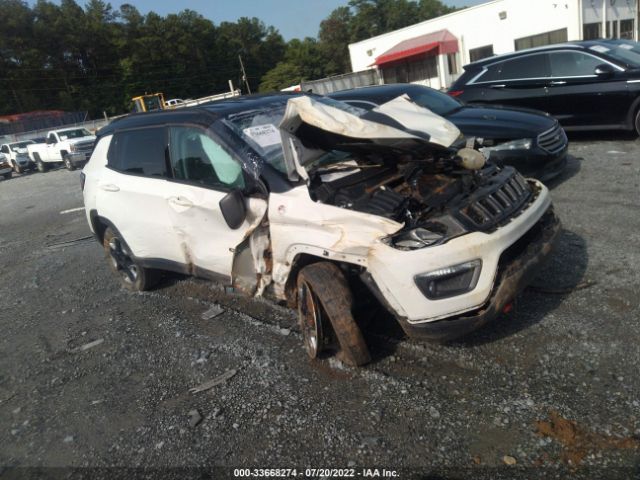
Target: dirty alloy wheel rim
column 310, row 319
column 67, row 163
column 121, row 261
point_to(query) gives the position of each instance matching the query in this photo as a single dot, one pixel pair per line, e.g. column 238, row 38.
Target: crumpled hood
column 311, row 126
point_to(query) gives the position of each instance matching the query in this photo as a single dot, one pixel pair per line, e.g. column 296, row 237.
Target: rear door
column 131, row 194
column 519, row 82
column 579, row 97
column 204, row 172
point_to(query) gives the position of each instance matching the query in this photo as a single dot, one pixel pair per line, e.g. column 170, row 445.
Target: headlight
column 522, row 144
column 434, row 232
column 450, row 281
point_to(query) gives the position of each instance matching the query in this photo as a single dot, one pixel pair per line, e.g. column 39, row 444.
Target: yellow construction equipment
column 148, row 102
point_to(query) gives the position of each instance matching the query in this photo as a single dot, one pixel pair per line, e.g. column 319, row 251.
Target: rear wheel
column 324, row 313
column 132, row 276
column 68, row 163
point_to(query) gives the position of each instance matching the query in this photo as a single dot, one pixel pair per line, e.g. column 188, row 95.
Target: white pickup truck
column 72, row 146
column 17, row 155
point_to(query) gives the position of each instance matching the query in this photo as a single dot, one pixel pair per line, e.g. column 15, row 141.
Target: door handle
column 181, row 201
column 558, row 83
column 110, row 187
column 497, row 86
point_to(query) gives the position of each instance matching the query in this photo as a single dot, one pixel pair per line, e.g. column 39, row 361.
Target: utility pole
column 244, row 75
column 604, row 19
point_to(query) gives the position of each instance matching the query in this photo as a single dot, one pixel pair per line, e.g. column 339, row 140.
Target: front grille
column 84, row 147
column 553, row 140
column 501, row 203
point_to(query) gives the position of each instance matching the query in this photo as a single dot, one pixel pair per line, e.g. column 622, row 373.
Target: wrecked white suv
column 303, row 199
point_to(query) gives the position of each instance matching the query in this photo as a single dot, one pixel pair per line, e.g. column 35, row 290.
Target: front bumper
column 518, row 265
column 79, row 158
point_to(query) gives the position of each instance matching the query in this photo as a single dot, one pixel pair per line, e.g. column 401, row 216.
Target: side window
column 51, row 138
column 573, row 64
column 199, row 159
column 5, row 149
column 529, row 66
column 139, row 151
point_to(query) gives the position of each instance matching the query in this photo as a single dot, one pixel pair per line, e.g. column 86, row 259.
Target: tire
column 42, row 167
column 68, row 163
column 132, row 276
column 324, row 311
column 17, row 168
column 636, row 123
column 7, row 176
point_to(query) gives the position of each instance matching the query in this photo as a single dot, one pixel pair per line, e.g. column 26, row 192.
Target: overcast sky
column 293, row 18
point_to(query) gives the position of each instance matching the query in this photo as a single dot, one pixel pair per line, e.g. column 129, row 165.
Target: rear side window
column 529, row 66
column 140, row 152
column 573, row 64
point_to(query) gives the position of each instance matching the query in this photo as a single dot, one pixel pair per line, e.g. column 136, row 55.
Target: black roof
column 204, row 114
column 577, row 45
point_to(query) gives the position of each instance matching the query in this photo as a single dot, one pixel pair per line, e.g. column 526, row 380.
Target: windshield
column 438, row 102
column 259, row 127
column 75, row 133
column 625, row 51
column 19, row 145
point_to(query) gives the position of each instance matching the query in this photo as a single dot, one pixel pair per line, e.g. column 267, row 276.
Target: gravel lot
column 550, row 391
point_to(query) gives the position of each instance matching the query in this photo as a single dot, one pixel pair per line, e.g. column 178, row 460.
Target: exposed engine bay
column 436, row 194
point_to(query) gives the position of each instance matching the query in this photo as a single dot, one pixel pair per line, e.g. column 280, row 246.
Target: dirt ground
column 93, row 376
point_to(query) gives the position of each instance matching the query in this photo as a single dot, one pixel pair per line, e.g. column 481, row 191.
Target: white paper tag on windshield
column 626, row 46
column 599, row 48
column 264, row 135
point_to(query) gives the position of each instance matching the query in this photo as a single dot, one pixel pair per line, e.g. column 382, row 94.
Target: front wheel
column 324, row 311
column 636, row 122
column 17, row 168
column 132, row 275
column 7, row 176
column 68, row 163
column 42, row 167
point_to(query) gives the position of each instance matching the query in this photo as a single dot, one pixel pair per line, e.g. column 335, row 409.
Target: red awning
column 436, row 43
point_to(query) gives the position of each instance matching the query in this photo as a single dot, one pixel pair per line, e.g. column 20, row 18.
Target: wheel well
column 302, row 260
column 633, row 111
column 36, row 156
column 99, row 225
column 63, row 153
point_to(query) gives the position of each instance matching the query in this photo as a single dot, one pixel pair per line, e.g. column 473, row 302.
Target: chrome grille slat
column 553, row 140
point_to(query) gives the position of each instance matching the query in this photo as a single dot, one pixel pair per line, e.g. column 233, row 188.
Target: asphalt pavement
column 92, row 375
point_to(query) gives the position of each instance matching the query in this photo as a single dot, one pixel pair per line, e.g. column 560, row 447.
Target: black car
column 531, row 141
column 588, row 85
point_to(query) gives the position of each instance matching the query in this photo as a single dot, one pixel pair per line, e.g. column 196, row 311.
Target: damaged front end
column 401, row 162
column 396, row 197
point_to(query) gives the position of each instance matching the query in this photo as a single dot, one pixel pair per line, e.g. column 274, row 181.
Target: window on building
column 139, row 151
column 541, row 39
column 479, row 53
column 572, row 64
column 612, row 29
column 591, row 31
column 452, row 62
column 626, row 29
column 414, row 71
column 529, row 66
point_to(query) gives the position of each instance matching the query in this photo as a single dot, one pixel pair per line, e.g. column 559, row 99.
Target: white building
column 432, row 52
